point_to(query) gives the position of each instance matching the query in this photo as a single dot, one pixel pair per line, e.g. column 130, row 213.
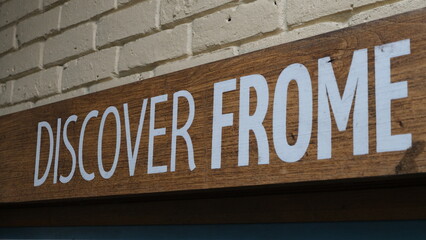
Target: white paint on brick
column 6, row 92
column 60, row 97
column 285, row 37
column 90, row 68
column 234, row 24
column 47, row 3
column 76, row 11
column 37, row 85
column 120, row 81
column 300, row 11
column 71, row 43
column 206, row 28
column 7, row 39
column 193, row 61
column 123, row 2
column 13, row 10
column 173, row 10
column 16, row 108
column 137, row 19
column 386, row 11
column 20, row 61
column 161, row 46
column 38, row 25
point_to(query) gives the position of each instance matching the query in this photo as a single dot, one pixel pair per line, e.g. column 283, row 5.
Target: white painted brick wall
column 234, row 24
column 7, row 39
column 285, row 37
column 76, row 11
column 13, row 10
column 6, row 93
column 70, row 43
column 138, row 19
column 173, row 10
column 48, row 3
column 26, row 59
column 195, row 61
column 120, row 81
column 38, row 25
column 123, row 2
column 52, row 50
column 16, row 108
column 43, row 83
column 161, row 46
column 90, row 68
column 386, row 11
column 60, row 97
column 312, row 9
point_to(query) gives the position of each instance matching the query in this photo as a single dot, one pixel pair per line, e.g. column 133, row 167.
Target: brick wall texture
column 51, row 50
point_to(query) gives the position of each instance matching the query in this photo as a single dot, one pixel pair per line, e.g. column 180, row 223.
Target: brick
column 16, row 108
column 386, row 11
column 120, row 81
column 76, row 11
column 40, row 84
column 7, row 39
column 161, row 46
column 299, row 11
column 6, row 93
column 61, row 96
column 26, row 59
column 134, row 20
column 173, row 10
column 48, row 3
column 194, row 61
column 38, row 25
column 11, row 11
column 90, row 68
column 231, row 25
column 290, row 36
column 123, row 2
column 71, row 43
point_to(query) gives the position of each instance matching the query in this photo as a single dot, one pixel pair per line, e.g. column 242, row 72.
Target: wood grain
column 18, row 131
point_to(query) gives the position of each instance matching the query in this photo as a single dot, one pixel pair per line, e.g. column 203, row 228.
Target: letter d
column 37, row 181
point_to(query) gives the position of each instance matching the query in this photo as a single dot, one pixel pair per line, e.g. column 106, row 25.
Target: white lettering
column 183, row 132
column 58, row 141
column 220, row 120
column 68, row 145
column 133, row 156
column 385, row 93
column 114, row 111
column 357, row 83
column 255, row 121
column 37, row 181
column 300, row 74
column 86, row 176
column 152, row 133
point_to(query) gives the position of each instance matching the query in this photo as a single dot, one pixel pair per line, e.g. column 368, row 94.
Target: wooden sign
column 347, row 104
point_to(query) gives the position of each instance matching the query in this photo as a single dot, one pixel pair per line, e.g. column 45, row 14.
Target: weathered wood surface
column 18, row 132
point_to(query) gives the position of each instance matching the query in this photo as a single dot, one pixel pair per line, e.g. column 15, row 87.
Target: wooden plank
column 403, row 37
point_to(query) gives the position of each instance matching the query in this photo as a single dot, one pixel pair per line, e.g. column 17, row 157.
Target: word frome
column 355, row 94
